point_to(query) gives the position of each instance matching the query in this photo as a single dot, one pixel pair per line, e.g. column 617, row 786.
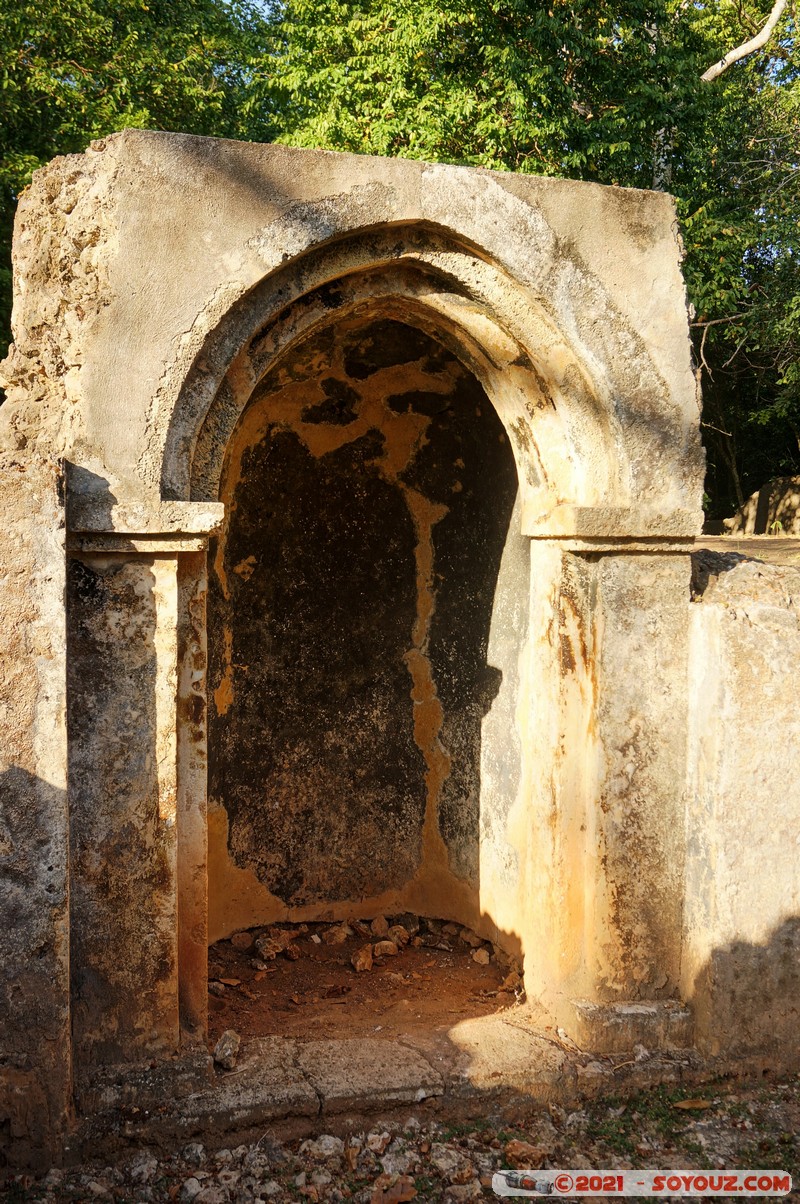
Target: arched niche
column 367, row 611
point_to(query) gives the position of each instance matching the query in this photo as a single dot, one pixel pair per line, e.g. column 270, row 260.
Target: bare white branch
column 741, row 52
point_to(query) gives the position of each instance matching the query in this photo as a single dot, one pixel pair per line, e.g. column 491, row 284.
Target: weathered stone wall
column 452, row 422
column 369, row 489
column 741, row 963
column 774, row 509
column 35, row 1061
column 122, row 628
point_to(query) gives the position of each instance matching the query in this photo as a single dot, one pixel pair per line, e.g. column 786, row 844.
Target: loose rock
column 481, row 956
column 384, row 949
column 226, row 1051
column 524, row 1156
column 337, row 935
column 379, row 926
column 326, row 1146
column 242, row 941
column 362, row 959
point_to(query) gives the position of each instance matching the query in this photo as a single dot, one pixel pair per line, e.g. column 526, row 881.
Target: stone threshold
column 489, row 1064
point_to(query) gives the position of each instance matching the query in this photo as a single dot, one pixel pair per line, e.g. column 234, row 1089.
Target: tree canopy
column 74, row 70
column 605, row 90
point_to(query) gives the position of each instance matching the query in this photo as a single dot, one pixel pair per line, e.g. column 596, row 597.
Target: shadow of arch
column 562, row 422
column 746, row 997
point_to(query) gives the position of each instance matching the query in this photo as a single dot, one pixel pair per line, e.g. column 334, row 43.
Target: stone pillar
column 35, row 1056
column 136, row 659
column 192, row 799
column 607, row 751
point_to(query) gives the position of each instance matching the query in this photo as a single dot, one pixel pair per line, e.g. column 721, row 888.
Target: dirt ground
column 310, row 987
column 722, row 1125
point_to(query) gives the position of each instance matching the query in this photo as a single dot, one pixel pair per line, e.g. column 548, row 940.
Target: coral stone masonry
column 350, row 509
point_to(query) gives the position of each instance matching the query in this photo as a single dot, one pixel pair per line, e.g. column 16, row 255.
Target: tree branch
column 748, row 47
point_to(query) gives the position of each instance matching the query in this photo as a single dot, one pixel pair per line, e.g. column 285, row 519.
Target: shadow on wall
column 34, row 995
column 369, row 489
column 746, row 998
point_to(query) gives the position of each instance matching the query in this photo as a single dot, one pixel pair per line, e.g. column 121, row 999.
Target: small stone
column 481, row 956
column 258, row 965
column 398, row 934
column 212, row 1194
column 463, row 1174
column 191, row 1188
column 270, row 1188
column 216, row 988
column 320, row 1177
column 325, row 1146
column 143, row 1167
column 410, row 922
column 377, row 1142
column 337, row 935
column 512, row 982
column 471, row 938
column 97, row 1189
column 362, row 959
column 226, row 1051
column 524, row 1156
column 451, row 929
column 379, row 926
column 293, row 952
column 384, row 949
column 194, row 1153
column 466, row 1191
column 392, row 1189
column 316, row 938
column 228, row 1178
column 242, row 941
column 359, row 927
column 444, row 1159
column 301, row 1179
column 272, row 942
column 397, row 1161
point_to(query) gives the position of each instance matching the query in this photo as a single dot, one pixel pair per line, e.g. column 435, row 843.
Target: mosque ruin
column 346, row 570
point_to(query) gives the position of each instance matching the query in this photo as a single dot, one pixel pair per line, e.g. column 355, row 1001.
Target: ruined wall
column 741, row 967
column 369, row 489
column 35, row 1063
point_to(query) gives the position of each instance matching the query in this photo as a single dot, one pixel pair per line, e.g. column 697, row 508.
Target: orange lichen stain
column 425, row 515
column 223, row 695
column 246, row 568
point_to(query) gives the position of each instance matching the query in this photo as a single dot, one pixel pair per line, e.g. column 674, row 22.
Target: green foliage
column 580, row 88
column 608, row 92
column 74, row 70
column 605, row 90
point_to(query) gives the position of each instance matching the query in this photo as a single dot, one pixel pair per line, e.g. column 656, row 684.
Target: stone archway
column 577, row 488
column 565, row 304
